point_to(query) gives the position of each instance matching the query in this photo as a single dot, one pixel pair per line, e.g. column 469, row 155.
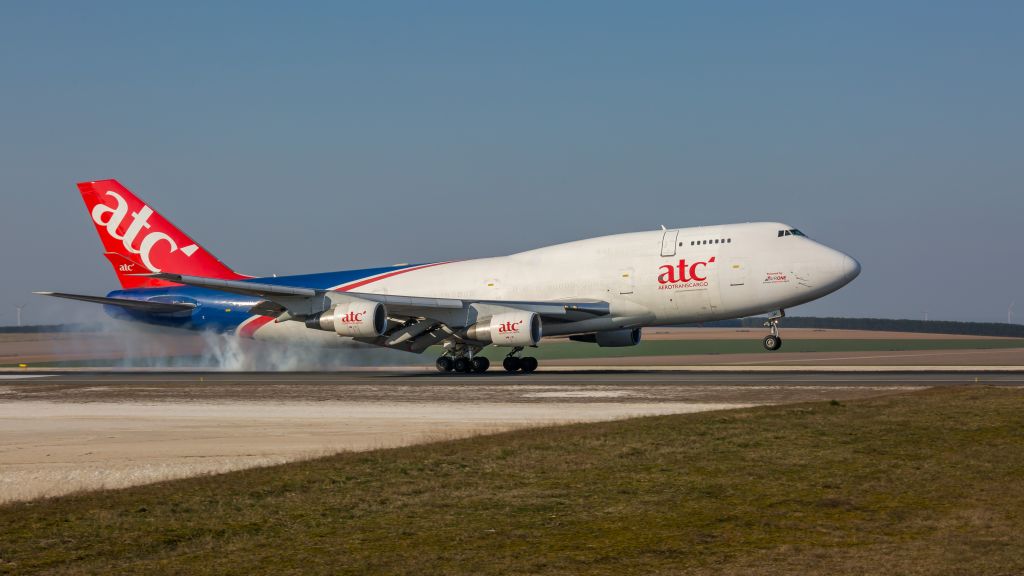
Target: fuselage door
column 738, row 273
column 668, row 242
column 626, row 282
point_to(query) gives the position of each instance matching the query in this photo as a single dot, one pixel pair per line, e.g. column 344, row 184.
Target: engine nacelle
column 611, row 338
column 358, row 318
column 508, row 329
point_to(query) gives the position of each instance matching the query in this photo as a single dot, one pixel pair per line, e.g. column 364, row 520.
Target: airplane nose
column 849, row 268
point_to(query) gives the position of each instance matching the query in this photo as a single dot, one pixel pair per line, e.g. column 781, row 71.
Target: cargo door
column 695, row 292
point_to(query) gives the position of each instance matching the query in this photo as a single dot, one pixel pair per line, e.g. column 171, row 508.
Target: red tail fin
column 138, row 240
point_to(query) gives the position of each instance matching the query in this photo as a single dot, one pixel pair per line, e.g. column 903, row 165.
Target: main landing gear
column 463, row 364
column 514, row 363
column 773, row 341
column 464, row 361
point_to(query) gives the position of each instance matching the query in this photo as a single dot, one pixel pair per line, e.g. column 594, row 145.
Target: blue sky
column 299, row 137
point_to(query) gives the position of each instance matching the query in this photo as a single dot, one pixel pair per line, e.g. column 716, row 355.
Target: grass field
column 560, row 350
column 921, row 483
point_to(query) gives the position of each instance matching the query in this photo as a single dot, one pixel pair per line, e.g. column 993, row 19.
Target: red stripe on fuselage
column 249, row 329
column 359, row 283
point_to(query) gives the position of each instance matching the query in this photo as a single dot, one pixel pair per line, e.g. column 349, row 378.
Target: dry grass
column 921, row 483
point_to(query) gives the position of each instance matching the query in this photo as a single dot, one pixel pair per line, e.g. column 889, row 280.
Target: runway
column 64, row 432
column 418, row 385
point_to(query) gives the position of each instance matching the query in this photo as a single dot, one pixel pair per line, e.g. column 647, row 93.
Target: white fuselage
column 651, row 278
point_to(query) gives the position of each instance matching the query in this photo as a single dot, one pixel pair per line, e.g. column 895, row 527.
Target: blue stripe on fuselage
column 224, row 311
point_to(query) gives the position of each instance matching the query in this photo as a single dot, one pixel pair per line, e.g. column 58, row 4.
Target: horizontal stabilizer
column 136, row 305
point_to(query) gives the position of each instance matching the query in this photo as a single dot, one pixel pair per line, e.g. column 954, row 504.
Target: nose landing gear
column 773, row 341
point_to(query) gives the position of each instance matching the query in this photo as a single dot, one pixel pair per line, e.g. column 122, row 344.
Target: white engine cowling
column 508, row 329
column 358, row 318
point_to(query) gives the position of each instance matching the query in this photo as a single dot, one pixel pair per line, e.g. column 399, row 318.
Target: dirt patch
column 48, row 449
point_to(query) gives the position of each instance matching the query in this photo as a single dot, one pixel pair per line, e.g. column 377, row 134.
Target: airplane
column 602, row 291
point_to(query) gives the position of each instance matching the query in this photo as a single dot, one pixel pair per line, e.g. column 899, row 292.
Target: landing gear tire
column 462, row 364
column 511, row 364
column 527, row 364
column 481, row 364
column 773, row 341
column 445, row 364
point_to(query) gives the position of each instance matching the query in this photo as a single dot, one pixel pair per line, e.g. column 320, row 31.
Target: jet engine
column 611, row 338
column 508, row 329
column 356, row 318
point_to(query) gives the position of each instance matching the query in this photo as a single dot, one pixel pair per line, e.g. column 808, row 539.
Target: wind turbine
column 19, row 312
column 1009, row 313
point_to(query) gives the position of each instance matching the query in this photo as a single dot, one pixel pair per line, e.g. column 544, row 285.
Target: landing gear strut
column 514, row 363
column 773, row 341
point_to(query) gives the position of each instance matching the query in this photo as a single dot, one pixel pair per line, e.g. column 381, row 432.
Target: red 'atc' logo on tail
column 113, row 220
column 137, row 239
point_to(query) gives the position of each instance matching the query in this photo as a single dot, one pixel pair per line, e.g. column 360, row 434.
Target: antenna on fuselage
column 663, row 227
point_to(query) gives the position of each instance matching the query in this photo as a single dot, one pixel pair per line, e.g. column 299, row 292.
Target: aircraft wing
column 300, row 301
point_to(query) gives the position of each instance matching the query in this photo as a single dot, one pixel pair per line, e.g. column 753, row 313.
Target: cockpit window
column 791, row 232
